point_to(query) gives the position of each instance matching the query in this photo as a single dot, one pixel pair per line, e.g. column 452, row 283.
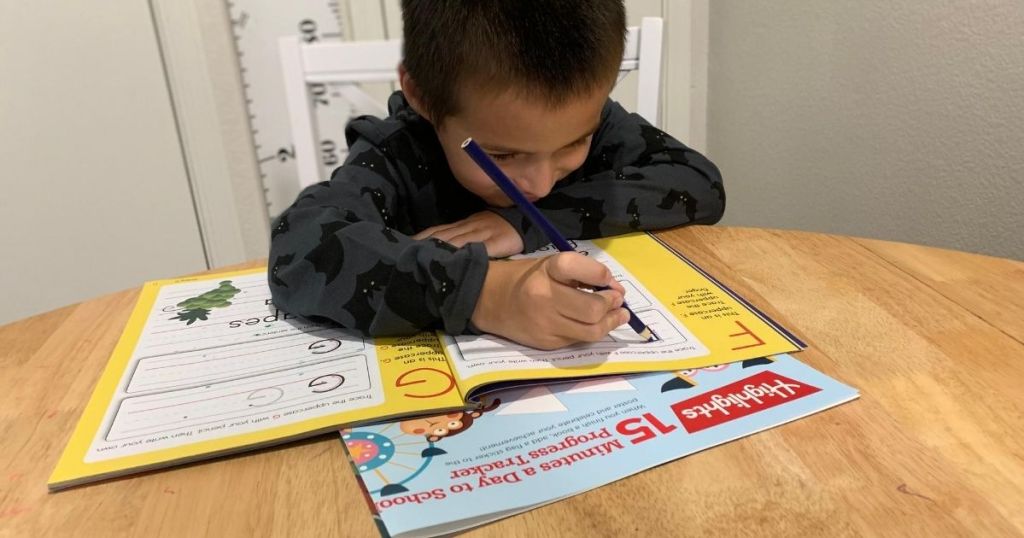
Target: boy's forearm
column 636, row 178
column 338, row 254
column 360, row 279
column 660, row 194
column 667, row 196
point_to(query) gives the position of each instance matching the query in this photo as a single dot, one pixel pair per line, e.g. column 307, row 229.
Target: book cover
column 530, row 446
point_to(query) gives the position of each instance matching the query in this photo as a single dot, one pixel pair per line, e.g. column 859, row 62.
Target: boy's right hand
column 537, row 302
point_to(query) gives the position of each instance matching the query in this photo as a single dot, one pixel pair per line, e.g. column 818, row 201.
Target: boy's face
column 534, row 143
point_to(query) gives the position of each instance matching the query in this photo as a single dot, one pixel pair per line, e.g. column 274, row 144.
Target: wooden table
column 933, row 339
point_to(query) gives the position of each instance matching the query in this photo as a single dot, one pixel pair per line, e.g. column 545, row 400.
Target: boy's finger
column 423, row 234
column 585, row 307
column 460, row 239
column 572, row 268
column 595, row 332
column 448, row 234
column 433, row 231
column 615, row 297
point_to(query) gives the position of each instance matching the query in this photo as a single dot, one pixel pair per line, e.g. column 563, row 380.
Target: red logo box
column 737, row 400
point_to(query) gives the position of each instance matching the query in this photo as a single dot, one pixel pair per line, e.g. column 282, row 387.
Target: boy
column 405, row 234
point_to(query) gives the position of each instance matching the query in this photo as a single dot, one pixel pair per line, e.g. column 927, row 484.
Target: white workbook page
column 475, row 355
column 216, row 358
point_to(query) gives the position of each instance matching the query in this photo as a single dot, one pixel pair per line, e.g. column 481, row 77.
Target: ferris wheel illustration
column 387, row 458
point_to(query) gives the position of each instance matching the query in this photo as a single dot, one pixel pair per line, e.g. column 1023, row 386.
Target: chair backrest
column 345, row 65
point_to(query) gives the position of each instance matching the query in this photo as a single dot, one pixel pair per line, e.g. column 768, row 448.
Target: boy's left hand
column 487, row 227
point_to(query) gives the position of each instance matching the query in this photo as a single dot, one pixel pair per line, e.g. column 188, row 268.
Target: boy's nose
column 537, row 184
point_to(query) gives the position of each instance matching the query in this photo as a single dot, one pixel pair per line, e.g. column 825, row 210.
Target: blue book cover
column 529, row 446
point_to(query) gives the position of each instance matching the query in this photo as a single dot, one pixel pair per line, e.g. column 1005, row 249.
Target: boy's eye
column 581, row 142
column 502, row 156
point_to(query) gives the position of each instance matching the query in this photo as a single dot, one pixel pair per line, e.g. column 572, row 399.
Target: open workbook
column 208, row 365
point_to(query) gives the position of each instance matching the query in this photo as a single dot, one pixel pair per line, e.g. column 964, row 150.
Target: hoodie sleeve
column 337, row 253
column 636, row 177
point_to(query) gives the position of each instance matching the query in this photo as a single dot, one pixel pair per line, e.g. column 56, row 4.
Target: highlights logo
column 736, row 400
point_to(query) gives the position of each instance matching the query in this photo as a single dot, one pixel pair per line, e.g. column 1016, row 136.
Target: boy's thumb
column 573, row 268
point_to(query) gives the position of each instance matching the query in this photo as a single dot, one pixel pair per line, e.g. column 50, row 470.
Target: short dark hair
column 554, row 49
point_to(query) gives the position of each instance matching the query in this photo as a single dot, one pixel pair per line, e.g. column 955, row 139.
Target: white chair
column 346, row 65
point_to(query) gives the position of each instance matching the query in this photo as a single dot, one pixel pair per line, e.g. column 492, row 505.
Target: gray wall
column 901, row 120
column 94, row 195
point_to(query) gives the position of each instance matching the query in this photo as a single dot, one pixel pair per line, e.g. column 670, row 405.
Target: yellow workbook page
column 209, row 365
column 697, row 323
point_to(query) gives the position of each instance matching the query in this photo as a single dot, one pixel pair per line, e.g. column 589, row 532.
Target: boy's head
column 526, row 78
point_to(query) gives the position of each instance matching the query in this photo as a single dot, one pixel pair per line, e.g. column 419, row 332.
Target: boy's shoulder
column 618, row 122
column 404, row 141
column 401, row 121
column 401, row 149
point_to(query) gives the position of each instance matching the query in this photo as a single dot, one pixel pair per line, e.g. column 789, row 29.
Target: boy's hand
column 486, row 227
column 537, row 302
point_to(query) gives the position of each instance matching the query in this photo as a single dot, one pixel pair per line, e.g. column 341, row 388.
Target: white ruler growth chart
column 257, row 25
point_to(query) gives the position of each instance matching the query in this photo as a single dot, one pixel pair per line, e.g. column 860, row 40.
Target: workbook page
column 216, row 358
column 477, row 355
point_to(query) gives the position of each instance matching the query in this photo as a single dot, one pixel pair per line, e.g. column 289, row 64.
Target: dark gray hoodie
column 343, row 250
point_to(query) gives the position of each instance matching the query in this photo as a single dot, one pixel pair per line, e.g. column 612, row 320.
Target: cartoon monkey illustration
column 437, row 427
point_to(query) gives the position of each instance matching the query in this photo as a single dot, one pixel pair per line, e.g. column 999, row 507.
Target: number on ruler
column 284, row 154
column 257, row 24
column 308, row 29
column 319, row 91
column 328, row 152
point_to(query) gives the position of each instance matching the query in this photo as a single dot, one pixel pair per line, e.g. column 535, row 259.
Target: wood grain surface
column 933, row 339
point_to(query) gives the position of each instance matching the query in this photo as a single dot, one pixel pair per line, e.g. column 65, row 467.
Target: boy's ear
column 411, row 90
